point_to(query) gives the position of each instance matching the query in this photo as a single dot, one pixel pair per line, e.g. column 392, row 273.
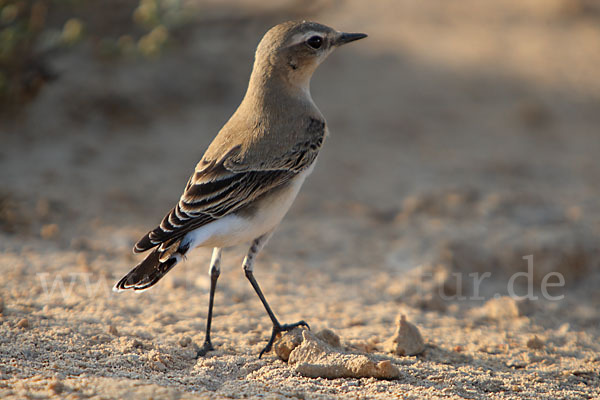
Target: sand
column 464, row 137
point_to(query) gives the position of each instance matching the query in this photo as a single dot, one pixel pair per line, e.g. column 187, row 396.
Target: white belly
column 238, row 228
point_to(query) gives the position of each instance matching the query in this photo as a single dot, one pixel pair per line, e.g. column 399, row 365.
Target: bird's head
column 294, row 49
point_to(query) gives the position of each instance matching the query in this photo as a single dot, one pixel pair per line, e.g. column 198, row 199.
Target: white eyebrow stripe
column 301, row 37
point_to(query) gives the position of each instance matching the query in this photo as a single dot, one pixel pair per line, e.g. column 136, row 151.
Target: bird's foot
column 277, row 329
column 206, row 347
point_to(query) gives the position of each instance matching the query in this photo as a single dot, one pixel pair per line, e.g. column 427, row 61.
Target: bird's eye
column 315, row 42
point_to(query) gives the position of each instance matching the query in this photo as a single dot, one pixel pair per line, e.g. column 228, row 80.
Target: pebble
column 288, row 342
column 407, row 341
column 185, row 341
column 315, row 358
column 23, row 323
column 292, row 339
column 320, row 356
column 501, row 308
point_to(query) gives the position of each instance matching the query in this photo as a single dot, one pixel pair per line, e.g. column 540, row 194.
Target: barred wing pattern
column 217, row 190
column 204, row 202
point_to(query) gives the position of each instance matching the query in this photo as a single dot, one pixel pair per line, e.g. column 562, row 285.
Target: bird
column 252, row 171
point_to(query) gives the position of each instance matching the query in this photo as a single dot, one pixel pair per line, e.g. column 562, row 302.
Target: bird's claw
column 277, row 329
column 206, row 347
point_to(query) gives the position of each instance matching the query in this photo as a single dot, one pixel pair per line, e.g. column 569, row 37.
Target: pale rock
column 407, row 341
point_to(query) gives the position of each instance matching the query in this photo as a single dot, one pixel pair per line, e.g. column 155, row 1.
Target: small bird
column 252, row 171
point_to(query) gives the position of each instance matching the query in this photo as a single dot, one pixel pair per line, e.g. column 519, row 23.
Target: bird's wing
column 214, row 191
column 293, row 146
column 231, row 176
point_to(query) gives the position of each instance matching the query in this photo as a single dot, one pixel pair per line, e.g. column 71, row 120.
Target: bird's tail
column 148, row 272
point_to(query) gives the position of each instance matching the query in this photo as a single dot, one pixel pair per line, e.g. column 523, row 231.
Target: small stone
column 185, row 341
column 563, row 329
column 535, row 343
column 56, row 386
column 386, row 369
column 315, row 358
column 501, row 308
column 1, row 306
column 113, row 330
column 288, row 342
column 407, row 341
column 23, row 323
column 49, row 231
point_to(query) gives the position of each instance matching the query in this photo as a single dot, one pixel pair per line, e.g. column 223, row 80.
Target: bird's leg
column 215, row 271
column 248, row 266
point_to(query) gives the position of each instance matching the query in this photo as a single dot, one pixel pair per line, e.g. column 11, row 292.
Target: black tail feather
column 146, row 273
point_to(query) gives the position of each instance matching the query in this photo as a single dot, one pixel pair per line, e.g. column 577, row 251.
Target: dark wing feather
column 207, row 198
column 220, row 187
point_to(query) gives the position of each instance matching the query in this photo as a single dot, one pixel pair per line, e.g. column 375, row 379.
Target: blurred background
column 465, row 135
column 476, row 113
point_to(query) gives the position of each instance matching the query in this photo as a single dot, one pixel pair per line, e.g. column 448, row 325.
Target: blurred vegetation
column 21, row 73
column 31, row 31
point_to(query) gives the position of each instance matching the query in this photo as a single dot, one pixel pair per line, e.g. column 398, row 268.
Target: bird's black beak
column 344, row 38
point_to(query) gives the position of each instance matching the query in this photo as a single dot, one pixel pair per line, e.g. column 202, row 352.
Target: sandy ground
column 464, row 138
